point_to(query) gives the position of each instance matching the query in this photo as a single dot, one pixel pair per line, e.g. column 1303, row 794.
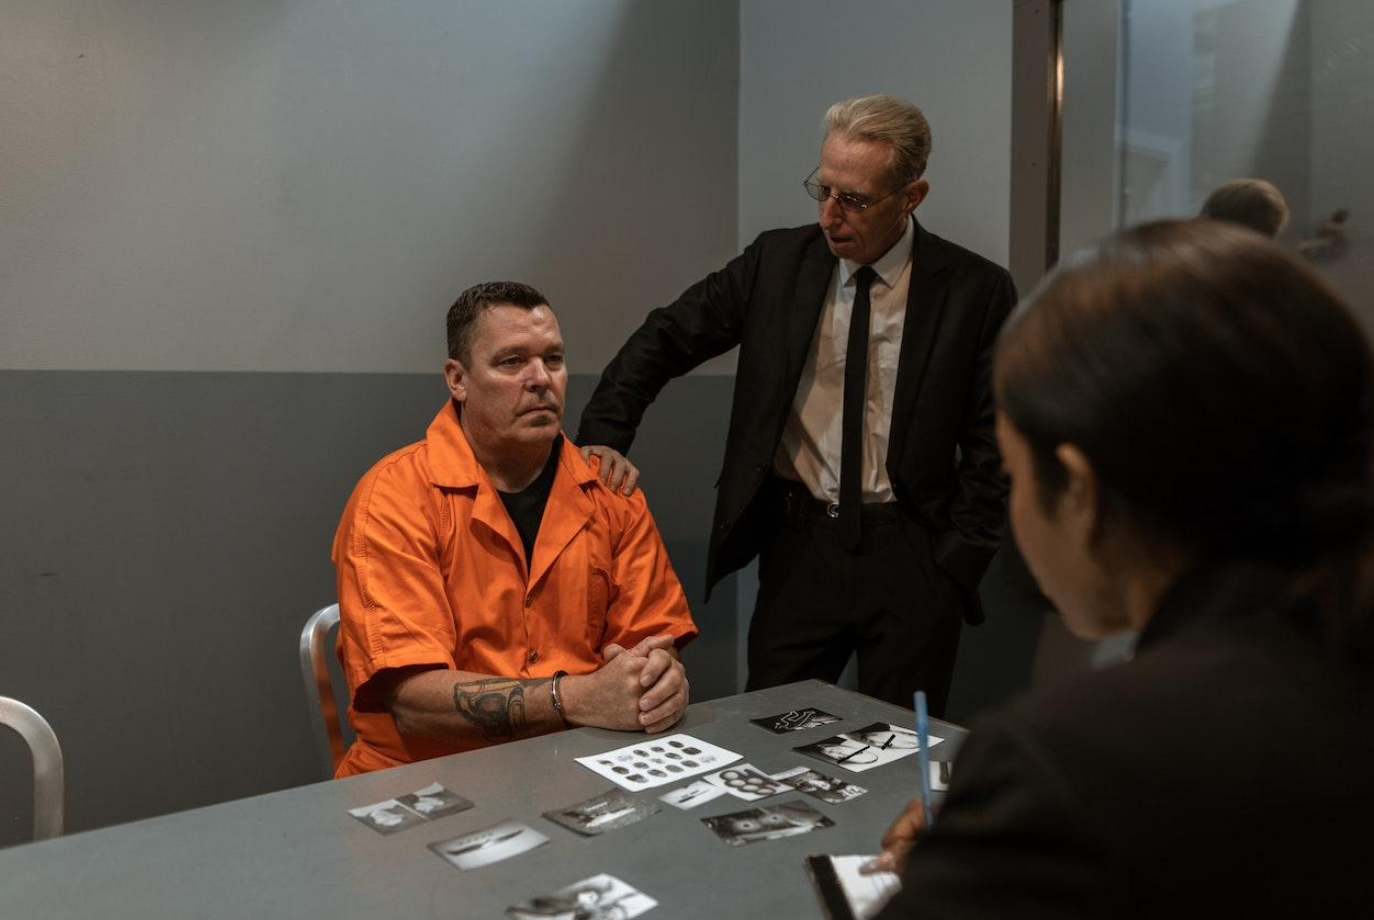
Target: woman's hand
column 899, row 840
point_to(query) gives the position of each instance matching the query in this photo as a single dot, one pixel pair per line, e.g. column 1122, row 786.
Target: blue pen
column 923, row 738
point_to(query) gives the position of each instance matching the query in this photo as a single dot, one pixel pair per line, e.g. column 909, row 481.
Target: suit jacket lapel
column 804, row 312
column 925, row 305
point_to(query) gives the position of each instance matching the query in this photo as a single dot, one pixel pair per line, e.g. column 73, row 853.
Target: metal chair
column 47, row 765
column 319, row 687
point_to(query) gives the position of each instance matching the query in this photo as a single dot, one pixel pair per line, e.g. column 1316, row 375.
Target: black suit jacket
column 768, row 301
column 1225, row 772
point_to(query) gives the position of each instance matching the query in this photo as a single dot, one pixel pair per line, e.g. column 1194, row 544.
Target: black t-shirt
column 526, row 507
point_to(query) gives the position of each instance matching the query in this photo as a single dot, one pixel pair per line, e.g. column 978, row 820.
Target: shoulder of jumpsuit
column 451, row 463
column 410, row 470
column 585, row 475
column 400, row 489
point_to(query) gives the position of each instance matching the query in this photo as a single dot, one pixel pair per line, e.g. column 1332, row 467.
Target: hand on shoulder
column 615, row 470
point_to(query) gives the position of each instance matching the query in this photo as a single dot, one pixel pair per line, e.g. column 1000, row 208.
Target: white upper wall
column 305, row 185
column 950, row 57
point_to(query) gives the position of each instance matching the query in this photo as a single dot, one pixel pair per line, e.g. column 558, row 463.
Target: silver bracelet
column 558, row 700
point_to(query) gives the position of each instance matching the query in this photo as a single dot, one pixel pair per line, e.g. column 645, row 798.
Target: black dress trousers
column 884, row 600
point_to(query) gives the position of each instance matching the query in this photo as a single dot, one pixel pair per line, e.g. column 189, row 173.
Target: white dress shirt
column 810, row 448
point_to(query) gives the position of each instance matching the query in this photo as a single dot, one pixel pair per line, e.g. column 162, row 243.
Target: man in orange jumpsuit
column 490, row 587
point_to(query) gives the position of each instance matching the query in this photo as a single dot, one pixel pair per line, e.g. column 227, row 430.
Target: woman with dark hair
column 1187, row 417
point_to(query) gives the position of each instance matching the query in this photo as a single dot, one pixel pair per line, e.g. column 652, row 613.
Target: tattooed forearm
column 496, row 706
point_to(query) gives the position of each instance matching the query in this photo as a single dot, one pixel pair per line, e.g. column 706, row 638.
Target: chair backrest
column 47, row 765
column 319, row 687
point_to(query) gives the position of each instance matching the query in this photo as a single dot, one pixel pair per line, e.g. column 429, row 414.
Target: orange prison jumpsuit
column 431, row 571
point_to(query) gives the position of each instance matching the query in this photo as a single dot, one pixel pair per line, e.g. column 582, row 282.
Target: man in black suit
column 860, row 462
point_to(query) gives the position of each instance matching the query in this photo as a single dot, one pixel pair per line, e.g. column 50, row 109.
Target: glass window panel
column 1165, row 100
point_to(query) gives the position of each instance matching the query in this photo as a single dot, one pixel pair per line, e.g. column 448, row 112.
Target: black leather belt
column 798, row 503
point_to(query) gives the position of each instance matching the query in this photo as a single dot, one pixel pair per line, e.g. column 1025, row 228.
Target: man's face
column 864, row 168
column 514, row 382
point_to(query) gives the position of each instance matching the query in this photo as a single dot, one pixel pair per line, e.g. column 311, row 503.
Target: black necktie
column 852, row 420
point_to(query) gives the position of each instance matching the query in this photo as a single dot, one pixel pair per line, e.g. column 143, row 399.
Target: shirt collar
column 889, row 267
column 453, row 465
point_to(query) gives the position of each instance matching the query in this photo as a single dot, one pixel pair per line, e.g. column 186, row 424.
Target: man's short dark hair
column 462, row 316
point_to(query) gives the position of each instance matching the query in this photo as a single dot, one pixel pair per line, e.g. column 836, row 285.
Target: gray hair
column 885, row 120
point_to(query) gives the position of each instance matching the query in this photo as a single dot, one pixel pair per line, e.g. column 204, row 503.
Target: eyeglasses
column 848, row 201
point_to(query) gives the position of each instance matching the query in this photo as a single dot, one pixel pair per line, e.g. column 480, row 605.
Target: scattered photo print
column 434, row 801
column 866, row 748
column 796, row 720
column 693, row 794
column 387, row 817
column 484, row 847
column 770, row 822
column 605, row 812
column 940, row 772
column 819, row 786
column 746, row 781
column 601, row 897
column 656, row 761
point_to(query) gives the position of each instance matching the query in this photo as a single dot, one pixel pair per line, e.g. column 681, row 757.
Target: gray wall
column 231, row 234
column 951, row 57
column 297, row 185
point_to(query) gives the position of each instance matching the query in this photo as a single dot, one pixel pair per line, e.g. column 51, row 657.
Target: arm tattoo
column 496, row 706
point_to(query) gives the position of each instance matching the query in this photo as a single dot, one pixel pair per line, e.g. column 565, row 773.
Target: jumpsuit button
column 534, row 656
column 529, row 601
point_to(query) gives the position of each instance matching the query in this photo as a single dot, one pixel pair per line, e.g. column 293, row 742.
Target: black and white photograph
column 795, row 721
column 746, row 781
column 606, row 812
column 484, row 847
column 658, row 761
column 889, row 737
column 692, row 795
column 828, row 789
column 769, row 822
column 866, row 748
column 434, row 801
column 601, row 897
column 387, row 817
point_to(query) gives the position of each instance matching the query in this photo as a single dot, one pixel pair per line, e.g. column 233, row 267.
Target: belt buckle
column 832, row 509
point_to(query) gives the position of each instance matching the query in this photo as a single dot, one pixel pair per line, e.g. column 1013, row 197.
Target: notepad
column 846, row 893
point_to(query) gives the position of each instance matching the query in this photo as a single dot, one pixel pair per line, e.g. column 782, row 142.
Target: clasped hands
column 641, row 688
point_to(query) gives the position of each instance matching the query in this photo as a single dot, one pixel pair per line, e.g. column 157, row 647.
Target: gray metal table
column 298, row 852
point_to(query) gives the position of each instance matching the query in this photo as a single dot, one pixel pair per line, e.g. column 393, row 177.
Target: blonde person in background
column 1251, row 203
